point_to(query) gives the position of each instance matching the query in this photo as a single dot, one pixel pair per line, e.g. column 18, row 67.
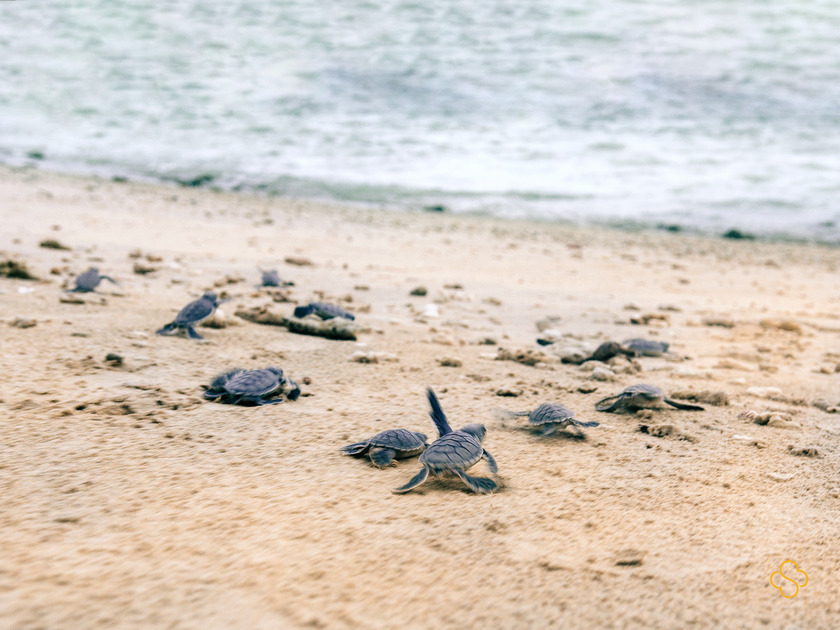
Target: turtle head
column 475, row 430
column 210, row 297
column 303, row 311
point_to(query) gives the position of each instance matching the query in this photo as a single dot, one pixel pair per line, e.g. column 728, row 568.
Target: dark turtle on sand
column 387, row 446
column 271, row 278
column 608, row 350
column 640, row 397
column 252, row 387
column 193, row 313
column 453, row 453
column 89, row 280
column 552, row 416
column 646, row 347
column 323, row 310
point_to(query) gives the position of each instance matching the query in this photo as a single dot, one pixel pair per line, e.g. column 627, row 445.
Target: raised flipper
column 191, row 333
column 359, row 448
column 586, row 424
column 437, row 415
column 382, row 457
column 602, row 405
column 549, row 428
column 684, row 406
column 109, row 279
column 166, row 330
column 479, row 485
column 416, row 480
column 491, row 462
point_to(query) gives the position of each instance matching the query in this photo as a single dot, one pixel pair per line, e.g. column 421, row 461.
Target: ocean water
column 705, row 114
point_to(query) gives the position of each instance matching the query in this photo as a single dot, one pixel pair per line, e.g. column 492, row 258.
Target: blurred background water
column 705, row 114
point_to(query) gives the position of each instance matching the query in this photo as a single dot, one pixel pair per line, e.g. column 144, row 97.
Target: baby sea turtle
column 552, row 416
column 252, row 387
column 608, row 350
column 387, row 446
column 646, row 347
column 454, row 452
column 323, row 310
column 640, row 397
column 271, row 278
column 193, row 313
column 89, row 280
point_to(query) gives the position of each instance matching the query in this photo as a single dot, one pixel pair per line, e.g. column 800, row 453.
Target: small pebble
column 421, row 291
column 23, row 322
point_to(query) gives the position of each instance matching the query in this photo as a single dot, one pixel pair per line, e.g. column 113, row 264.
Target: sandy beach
column 131, row 502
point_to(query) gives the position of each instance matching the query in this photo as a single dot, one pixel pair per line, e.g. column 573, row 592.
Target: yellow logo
column 790, row 584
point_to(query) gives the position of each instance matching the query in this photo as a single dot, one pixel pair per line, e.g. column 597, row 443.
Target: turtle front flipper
column 684, row 406
column 491, row 462
column 479, row 485
column 109, row 279
column 259, row 402
column 604, row 404
column 588, row 425
column 191, row 333
column 382, row 457
column 359, row 448
column 416, row 480
column 437, row 415
column 549, row 428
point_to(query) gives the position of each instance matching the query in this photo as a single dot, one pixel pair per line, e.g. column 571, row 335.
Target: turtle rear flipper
column 382, row 457
column 191, row 333
column 604, row 404
column 359, row 448
column 415, row 481
column 491, row 461
column 684, row 406
column 479, row 485
column 166, row 330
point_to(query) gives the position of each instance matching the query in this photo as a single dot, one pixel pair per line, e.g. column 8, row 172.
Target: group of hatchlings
column 454, row 452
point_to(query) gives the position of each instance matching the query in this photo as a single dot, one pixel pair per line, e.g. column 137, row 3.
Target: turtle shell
column 325, row 310
column 89, row 280
column 253, row 383
column 647, row 347
column 399, row 440
column 457, row 450
column 550, row 413
column 197, row 310
column 643, row 395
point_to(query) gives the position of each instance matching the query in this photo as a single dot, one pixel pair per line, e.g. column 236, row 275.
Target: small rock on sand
column 717, row 398
column 420, row 291
column 23, row 322
column 805, row 451
column 449, row 362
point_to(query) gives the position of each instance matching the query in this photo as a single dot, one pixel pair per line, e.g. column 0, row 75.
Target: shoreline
column 204, row 182
column 129, row 501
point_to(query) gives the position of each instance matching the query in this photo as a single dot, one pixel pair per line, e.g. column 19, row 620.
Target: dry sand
column 128, row 501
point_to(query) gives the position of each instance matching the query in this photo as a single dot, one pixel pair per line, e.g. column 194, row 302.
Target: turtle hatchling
column 608, row 350
column 323, row 310
column 553, row 416
column 192, row 314
column 640, row 397
column 89, row 280
column 271, row 278
column 646, row 347
column 453, row 453
column 383, row 448
column 252, row 388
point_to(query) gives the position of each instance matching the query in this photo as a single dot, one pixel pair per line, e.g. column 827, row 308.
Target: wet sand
column 128, row 501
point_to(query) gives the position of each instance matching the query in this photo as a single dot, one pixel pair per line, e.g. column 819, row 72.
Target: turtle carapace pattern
column 550, row 417
column 89, row 280
column 638, row 397
column 383, row 448
column 323, row 310
column 252, row 388
column 192, row 314
column 454, row 453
